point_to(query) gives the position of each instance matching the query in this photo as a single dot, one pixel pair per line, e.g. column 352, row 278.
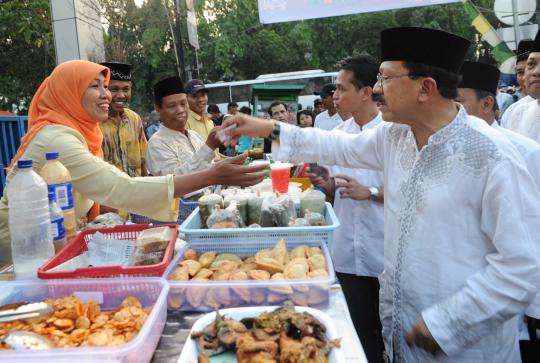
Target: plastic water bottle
column 29, row 221
column 58, row 229
column 58, row 179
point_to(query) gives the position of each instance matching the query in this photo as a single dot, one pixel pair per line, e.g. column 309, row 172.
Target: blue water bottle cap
column 52, row 155
column 24, row 163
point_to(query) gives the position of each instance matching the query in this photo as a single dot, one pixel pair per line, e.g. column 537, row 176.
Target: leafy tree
column 27, row 51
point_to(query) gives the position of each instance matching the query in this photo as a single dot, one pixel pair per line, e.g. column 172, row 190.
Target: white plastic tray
column 190, row 351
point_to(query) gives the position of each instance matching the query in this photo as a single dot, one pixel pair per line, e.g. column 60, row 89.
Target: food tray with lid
column 207, row 295
column 109, row 293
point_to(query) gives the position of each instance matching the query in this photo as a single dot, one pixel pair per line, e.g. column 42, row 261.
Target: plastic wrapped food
column 254, row 205
column 276, row 211
column 153, row 239
column 314, row 219
column 144, row 259
column 225, row 218
column 207, row 204
column 298, row 222
column 241, row 200
column 313, row 200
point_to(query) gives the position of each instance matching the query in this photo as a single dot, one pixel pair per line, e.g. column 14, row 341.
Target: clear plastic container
column 58, row 228
column 109, row 293
column 29, row 221
column 58, row 180
column 203, row 295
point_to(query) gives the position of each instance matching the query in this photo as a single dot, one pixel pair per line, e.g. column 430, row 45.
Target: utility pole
column 516, row 21
column 179, row 42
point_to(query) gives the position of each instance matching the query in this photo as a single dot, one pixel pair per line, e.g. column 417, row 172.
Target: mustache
column 378, row 98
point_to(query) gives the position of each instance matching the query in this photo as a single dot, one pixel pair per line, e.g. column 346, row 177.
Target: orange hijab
column 58, row 101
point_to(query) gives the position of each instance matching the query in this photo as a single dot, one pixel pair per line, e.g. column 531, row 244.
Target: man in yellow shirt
column 124, row 143
column 198, row 120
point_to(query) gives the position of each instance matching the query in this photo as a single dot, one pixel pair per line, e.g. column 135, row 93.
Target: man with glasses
column 462, row 222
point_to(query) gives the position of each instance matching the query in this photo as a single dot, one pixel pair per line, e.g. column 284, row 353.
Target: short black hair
column 480, row 93
column 364, row 69
column 274, row 104
column 447, row 82
column 232, row 104
column 212, row 108
column 246, row 110
column 305, row 112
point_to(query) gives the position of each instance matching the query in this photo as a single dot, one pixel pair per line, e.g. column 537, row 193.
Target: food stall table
column 179, row 324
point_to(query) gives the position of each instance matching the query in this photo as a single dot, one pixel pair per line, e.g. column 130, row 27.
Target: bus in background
column 221, row 93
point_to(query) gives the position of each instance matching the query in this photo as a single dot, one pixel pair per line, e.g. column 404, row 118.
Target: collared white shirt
column 525, row 120
column 326, row 122
column 530, row 150
column 462, row 223
column 510, row 110
column 358, row 244
column 172, row 152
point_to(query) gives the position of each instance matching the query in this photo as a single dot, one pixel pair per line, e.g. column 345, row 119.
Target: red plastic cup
column 281, row 175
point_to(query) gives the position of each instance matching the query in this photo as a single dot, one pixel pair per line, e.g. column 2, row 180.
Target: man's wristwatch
column 374, row 193
column 275, row 132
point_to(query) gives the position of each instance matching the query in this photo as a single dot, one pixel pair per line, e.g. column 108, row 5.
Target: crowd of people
column 433, row 175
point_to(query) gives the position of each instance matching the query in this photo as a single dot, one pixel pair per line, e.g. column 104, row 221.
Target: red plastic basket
column 79, row 244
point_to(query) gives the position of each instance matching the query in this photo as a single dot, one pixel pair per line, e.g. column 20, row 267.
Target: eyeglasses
column 381, row 79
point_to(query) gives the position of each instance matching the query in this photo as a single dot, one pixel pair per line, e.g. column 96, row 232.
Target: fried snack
column 284, row 289
column 258, row 275
column 180, row 274
column 190, row 254
column 248, row 266
column 299, row 251
column 302, row 261
column 250, row 350
column 204, row 274
column 295, row 270
column 195, row 295
column 280, row 253
column 317, row 262
column 73, row 324
column 192, row 266
column 207, row 258
column 229, row 257
column 320, row 273
column 269, row 264
column 242, row 292
column 310, row 251
column 203, row 358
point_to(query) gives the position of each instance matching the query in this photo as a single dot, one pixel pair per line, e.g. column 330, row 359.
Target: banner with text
column 277, row 11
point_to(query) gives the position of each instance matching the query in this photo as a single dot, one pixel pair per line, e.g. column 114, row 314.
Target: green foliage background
column 234, row 45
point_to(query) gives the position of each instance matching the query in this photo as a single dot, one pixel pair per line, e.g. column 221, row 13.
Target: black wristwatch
column 374, row 193
column 275, row 132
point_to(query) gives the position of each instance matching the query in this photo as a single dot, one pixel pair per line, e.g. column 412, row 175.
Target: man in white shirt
column 330, row 118
column 477, row 94
column 174, row 149
column 358, row 244
column 462, row 218
column 525, row 119
column 521, row 62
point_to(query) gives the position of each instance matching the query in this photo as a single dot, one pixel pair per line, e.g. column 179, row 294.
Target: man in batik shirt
column 124, row 143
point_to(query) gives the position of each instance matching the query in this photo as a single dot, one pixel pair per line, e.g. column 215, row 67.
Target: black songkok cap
column 536, row 44
column 119, row 71
column 523, row 49
column 425, row 46
column 480, row 76
column 168, row 86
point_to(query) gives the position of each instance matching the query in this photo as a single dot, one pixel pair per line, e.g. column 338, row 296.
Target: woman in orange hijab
column 64, row 116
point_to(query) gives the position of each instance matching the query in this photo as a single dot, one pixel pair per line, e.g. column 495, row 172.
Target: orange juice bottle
column 58, row 181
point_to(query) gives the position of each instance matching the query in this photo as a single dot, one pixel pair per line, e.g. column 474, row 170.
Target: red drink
column 281, row 174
